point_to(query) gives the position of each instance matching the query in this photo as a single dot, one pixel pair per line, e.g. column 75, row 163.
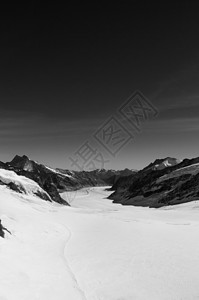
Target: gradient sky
column 65, row 70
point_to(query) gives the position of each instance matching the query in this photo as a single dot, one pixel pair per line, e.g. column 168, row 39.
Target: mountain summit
column 22, row 162
column 162, row 163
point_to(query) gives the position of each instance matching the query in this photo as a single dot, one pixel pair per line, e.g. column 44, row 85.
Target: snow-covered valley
column 97, row 250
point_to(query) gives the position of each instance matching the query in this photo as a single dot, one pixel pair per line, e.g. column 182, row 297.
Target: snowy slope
column 97, row 250
column 25, row 184
column 59, row 173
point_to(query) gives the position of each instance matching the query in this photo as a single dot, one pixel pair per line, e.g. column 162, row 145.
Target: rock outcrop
column 156, row 187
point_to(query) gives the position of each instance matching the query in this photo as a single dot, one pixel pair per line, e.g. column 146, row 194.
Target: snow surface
column 29, row 186
column 62, row 174
column 96, row 250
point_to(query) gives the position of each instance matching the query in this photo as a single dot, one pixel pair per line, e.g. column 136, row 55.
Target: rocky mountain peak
column 162, row 163
column 22, row 162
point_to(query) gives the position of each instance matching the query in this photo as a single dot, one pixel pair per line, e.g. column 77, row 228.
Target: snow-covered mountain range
column 22, row 173
column 164, row 182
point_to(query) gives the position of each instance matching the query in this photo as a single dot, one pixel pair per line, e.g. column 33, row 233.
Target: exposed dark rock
column 2, row 234
column 16, row 188
column 46, row 179
column 2, row 229
column 154, row 187
column 22, row 162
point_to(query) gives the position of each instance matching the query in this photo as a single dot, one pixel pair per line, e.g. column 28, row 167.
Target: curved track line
column 76, row 284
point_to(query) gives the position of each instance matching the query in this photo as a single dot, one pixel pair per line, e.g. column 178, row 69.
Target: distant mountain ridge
column 160, row 164
column 163, row 182
column 54, row 181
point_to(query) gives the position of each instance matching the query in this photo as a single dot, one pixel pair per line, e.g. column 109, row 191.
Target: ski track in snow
column 76, row 284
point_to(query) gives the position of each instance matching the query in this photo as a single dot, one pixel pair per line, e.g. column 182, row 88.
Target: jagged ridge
column 155, row 187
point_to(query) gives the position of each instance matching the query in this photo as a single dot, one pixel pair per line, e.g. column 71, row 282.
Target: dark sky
column 65, row 70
